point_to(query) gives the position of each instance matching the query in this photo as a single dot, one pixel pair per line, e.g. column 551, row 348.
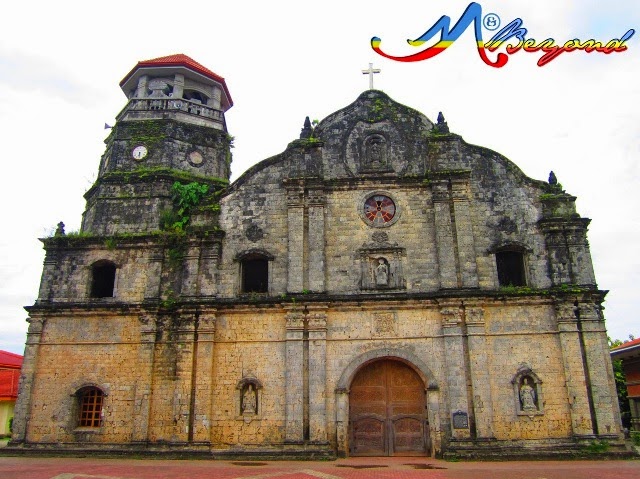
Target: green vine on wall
column 185, row 198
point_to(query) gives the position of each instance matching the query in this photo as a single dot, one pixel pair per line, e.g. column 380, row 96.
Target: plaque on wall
column 460, row 420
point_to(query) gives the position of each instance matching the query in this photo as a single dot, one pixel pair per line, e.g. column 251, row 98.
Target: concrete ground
column 352, row 468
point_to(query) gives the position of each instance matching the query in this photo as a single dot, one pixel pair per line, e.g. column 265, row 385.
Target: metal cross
column 370, row 72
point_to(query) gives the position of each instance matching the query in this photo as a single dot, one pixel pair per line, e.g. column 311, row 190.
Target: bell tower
column 171, row 129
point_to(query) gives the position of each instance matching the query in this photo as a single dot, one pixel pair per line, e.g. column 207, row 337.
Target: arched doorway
column 387, row 411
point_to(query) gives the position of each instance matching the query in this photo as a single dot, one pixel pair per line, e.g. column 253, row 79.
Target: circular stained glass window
column 379, row 210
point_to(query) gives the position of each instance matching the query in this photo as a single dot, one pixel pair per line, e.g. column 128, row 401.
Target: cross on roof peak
column 370, row 71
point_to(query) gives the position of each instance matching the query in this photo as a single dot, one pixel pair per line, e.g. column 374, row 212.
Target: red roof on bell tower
column 179, row 60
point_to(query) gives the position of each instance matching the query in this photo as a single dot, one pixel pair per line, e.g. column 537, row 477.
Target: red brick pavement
column 353, row 468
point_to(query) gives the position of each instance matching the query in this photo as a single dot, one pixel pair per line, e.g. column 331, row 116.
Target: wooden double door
column 387, row 411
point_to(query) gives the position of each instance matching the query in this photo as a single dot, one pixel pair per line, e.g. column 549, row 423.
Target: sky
column 61, row 63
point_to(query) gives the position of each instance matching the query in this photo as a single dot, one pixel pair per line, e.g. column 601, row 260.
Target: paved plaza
column 353, row 468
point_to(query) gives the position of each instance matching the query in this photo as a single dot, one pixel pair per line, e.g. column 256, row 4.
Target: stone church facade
column 379, row 288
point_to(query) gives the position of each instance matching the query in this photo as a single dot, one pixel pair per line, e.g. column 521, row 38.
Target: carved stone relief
column 375, row 153
column 384, row 323
column 254, row 233
column 382, row 272
column 380, row 237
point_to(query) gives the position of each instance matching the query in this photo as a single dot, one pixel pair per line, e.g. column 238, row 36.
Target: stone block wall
column 77, row 352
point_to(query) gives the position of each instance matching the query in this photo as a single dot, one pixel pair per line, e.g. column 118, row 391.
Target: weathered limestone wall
column 254, row 218
column 249, row 343
column 150, row 373
column 68, row 279
column 77, row 352
column 526, row 333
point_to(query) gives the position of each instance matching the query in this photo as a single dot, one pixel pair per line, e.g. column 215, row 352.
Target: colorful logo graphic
column 513, row 32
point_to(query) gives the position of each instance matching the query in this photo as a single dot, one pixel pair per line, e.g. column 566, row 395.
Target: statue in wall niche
column 375, row 153
column 382, row 273
column 249, row 400
column 527, row 395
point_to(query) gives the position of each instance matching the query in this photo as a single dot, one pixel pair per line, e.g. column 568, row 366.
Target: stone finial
column 552, row 178
column 441, row 126
column 60, row 230
column 306, row 131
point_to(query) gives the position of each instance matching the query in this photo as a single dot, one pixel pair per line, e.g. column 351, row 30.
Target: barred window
column 90, row 401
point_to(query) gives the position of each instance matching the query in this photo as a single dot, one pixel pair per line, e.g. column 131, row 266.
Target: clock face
column 196, row 158
column 379, row 210
column 139, row 152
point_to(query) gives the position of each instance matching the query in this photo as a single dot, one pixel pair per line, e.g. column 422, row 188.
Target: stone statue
column 527, row 396
column 382, row 273
column 249, row 400
column 376, row 153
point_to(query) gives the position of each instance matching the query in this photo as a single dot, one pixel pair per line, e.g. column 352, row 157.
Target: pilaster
column 460, row 192
column 342, row 421
column 142, row 395
column 317, row 326
column 203, row 389
column 22, row 412
column 208, row 276
column 191, row 262
column 294, row 381
column 435, row 426
column 574, row 371
column 154, row 273
column 600, row 367
column 50, row 275
column 579, row 253
column 295, row 229
column 183, row 385
column 444, row 235
column 316, row 201
column 479, row 370
column 452, row 329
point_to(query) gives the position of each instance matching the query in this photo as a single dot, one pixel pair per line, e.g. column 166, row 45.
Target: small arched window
column 103, row 279
column 510, row 265
column 90, row 402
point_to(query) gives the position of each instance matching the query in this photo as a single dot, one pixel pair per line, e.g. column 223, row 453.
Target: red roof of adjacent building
column 9, row 384
column 627, row 350
column 10, row 360
column 10, row 365
column 180, row 60
column 628, row 344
